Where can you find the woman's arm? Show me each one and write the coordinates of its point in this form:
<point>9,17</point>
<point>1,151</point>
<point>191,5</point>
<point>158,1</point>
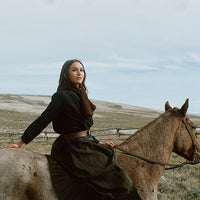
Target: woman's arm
<point>35,128</point>
<point>52,111</point>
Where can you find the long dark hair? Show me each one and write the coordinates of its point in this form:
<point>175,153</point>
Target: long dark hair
<point>64,81</point>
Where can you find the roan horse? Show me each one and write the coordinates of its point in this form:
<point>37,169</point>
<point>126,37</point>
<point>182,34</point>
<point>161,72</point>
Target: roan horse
<point>25,176</point>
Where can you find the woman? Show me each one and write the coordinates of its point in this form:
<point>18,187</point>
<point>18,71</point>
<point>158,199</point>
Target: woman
<point>81,167</point>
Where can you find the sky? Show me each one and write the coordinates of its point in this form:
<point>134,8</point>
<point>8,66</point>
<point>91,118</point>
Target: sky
<point>136,52</point>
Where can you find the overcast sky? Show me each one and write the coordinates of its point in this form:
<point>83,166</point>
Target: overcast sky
<point>136,52</point>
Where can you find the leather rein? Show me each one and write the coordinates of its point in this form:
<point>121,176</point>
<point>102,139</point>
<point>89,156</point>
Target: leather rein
<point>195,158</point>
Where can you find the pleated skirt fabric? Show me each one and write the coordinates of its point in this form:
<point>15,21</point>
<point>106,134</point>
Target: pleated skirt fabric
<point>83,169</point>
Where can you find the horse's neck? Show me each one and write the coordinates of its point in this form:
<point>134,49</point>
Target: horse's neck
<point>155,140</point>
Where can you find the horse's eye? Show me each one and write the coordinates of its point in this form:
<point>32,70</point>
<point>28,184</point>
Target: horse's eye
<point>197,133</point>
<point>194,128</point>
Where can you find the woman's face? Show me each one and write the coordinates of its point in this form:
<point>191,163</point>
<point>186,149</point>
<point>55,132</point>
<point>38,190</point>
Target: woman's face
<point>76,73</point>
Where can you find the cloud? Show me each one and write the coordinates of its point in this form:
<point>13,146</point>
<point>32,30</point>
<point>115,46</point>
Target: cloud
<point>96,64</point>
<point>40,69</point>
<point>173,67</point>
<point>136,64</point>
<point>119,66</point>
<point>51,2</point>
<point>193,57</point>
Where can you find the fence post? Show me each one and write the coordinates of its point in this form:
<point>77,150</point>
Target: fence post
<point>10,138</point>
<point>46,137</point>
<point>118,133</point>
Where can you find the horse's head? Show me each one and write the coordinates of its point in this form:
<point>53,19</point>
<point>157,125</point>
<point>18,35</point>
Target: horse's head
<point>185,143</point>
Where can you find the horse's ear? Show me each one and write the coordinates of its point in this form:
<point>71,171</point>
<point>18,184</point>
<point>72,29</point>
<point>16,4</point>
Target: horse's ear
<point>167,106</point>
<point>184,108</point>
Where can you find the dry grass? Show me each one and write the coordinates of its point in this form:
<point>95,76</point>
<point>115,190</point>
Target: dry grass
<point>178,184</point>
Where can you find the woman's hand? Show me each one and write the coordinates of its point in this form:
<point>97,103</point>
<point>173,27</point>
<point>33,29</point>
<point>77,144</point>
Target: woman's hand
<point>109,143</point>
<point>17,145</point>
<point>12,146</point>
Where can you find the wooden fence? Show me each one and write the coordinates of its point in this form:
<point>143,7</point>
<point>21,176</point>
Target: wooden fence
<point>46,135</point>
<point>96,132</point>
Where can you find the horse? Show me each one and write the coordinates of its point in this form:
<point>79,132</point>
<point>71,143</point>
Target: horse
<point>143,155</point>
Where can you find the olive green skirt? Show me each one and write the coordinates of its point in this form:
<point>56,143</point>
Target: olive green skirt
<point>83,169</point>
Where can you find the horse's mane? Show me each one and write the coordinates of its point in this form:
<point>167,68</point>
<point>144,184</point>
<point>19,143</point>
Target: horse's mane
<point>142,129</point>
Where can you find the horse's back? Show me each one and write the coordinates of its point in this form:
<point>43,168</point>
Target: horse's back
<point>24,175</point>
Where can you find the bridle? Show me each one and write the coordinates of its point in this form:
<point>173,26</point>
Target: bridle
<point>195,157</point>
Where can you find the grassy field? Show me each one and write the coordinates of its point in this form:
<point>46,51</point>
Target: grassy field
<point>17,112</point>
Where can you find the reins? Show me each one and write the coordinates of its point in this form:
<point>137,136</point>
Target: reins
<point>195,159</point>
<point>171,166</point>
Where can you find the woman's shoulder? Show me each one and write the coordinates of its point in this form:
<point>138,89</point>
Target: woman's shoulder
<point>64,93</point>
